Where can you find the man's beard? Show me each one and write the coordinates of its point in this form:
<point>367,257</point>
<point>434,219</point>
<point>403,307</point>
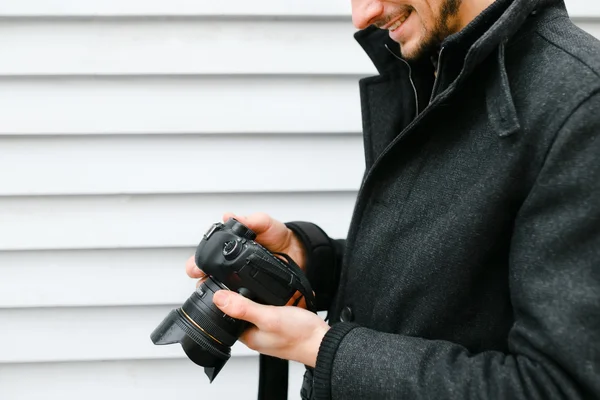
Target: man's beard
<point>432,39</point>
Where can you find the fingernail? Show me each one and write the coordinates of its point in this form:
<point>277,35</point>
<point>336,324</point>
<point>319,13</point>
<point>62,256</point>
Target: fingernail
<point>221,298</point>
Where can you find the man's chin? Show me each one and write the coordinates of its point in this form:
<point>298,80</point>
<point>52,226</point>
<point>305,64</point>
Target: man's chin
<point>408,56</point>
<point>410,53</point>
<point>417,51</point>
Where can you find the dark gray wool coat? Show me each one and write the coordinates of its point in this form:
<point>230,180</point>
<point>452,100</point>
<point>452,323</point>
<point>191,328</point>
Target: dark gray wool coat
<point>472,265</point>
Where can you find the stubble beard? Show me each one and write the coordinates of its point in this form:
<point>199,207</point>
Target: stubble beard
<point>432,39</point>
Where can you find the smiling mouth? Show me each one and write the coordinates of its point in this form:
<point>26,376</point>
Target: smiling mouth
<point>398,23</point>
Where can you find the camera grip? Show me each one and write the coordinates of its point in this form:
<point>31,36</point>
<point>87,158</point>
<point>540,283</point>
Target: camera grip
<point>289,274</point>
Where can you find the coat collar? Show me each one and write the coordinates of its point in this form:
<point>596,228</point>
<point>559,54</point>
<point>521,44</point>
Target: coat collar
<point>374,40</point>
<point>480,43</point>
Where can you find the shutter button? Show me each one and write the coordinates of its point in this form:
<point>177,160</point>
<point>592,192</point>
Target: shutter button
<point>346,315</point>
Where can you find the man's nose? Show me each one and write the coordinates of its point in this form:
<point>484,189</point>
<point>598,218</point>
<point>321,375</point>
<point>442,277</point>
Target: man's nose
<point>366,12</point>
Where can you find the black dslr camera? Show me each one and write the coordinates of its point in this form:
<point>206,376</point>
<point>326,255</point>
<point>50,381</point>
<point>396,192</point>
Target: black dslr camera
<point>233,261</point>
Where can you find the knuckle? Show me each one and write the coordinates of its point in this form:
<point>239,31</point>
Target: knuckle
<point>249,339</point>
<point>240,310</point>
<point>261,216</point>
<point>263,219</point>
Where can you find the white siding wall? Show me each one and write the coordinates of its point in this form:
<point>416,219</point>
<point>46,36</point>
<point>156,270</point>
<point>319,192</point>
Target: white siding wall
<point>126,128</point>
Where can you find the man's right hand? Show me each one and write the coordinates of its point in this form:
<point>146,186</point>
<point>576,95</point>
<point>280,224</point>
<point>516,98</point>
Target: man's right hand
<point>270,233</point>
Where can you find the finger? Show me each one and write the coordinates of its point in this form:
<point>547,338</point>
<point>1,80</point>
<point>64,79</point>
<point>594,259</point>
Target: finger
<point>192,270</point>
<point>240,218</point>
<point>257,340</point>
<point>258,222</point>
<point>239,307</point>
<point>229,215</point>
<point>248,337</point>
<point>201,281</point>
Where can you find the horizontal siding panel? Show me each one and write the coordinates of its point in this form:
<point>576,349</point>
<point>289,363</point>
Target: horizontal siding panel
<point>84,334</point>
<point>138,380</point>
<point>583,8</point>
<point>135,105</point>
<point>174,7</point>
<point>99,222</point>
<point>159,47</point>
<point>209,8</point>
<point>592,27</point>
<point>180,47</point>
<point>94,277</point>
<point>183,163</point>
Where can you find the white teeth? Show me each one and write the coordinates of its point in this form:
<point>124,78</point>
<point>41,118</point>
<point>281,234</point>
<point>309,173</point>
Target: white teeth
<point>398,23</point>
<point>395,26</point>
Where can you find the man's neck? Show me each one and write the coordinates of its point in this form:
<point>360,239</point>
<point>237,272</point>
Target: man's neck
<point>468,11</point>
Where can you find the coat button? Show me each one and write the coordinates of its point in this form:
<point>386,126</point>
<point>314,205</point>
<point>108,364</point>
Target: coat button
<point>347,315</point>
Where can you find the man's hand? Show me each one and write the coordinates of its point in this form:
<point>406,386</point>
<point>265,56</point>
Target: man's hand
<point>286,332</point>
<point>270,233</point>
<point>291,333</point>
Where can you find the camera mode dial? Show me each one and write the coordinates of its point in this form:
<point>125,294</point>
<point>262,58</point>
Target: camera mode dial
<point>231,249</point>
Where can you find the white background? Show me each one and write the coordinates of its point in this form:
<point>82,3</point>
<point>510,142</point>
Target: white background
<point>126,128</point>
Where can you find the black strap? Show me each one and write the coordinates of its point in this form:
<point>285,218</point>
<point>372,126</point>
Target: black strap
<point>273,372</point>
<point>306,391</point>
<point>321,269</point>
<point>290,273</point>
<point>273,378</point>
<point>301,284</point>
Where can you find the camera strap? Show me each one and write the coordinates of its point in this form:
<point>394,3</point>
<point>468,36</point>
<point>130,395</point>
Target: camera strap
<point>273,372</point>
<point>290,273</point>
<point>301,284</point>
<point>273,378</point>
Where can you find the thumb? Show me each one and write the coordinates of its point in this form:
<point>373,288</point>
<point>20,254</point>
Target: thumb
<point>239,307</point>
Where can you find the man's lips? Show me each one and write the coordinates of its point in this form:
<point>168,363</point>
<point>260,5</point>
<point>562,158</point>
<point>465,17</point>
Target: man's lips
<point>392,23</point>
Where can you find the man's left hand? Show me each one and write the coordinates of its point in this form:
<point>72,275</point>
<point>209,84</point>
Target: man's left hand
<point>286,332</point>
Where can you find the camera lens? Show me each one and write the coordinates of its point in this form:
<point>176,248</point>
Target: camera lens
<point>232,261</point>
<point>205,332</point>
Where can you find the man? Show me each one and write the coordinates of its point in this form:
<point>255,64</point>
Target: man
<point>472,265</point>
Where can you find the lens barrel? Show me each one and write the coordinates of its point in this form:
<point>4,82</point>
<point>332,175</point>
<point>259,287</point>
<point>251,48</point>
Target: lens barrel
<point>205,333</point>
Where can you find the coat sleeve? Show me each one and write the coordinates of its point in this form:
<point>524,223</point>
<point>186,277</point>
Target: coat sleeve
<point>554,273</point>
<point>324,260</point>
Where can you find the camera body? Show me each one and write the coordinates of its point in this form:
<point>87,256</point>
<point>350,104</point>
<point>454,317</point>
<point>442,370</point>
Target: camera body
<point>229,254</point>
<point>233,261</point>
